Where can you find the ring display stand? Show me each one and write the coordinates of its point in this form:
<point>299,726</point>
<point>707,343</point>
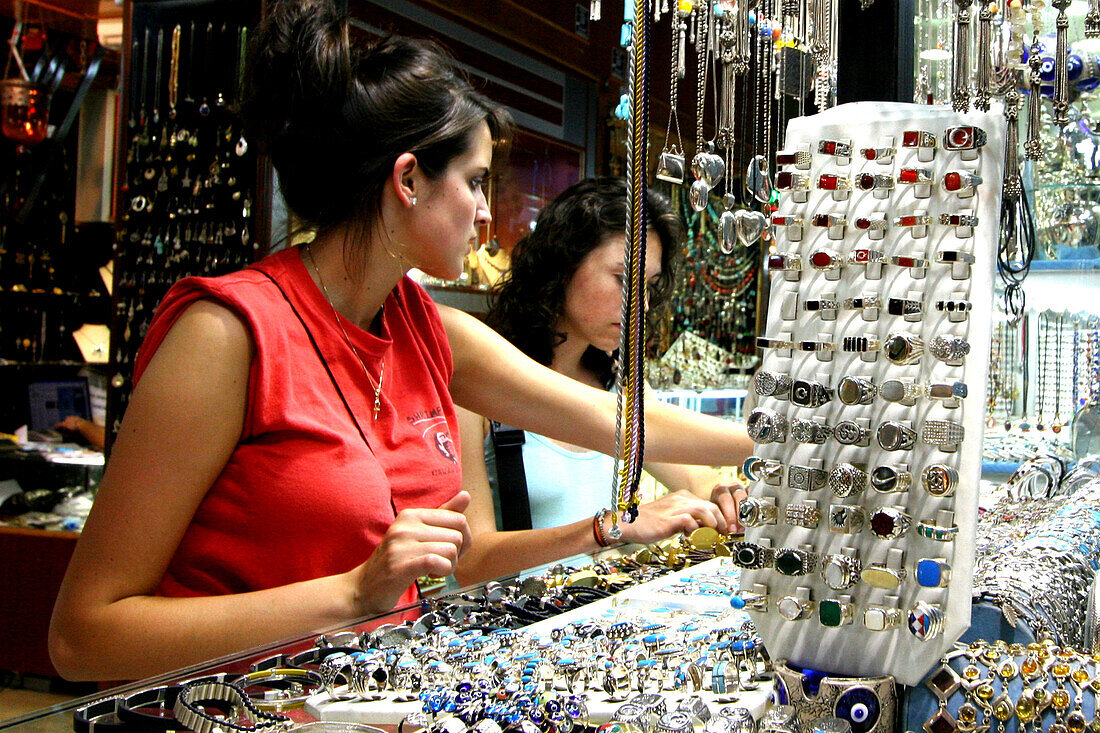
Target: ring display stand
<point>903,256</point>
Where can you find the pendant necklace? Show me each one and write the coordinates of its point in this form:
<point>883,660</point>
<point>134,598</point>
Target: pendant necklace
<point>382,365</point>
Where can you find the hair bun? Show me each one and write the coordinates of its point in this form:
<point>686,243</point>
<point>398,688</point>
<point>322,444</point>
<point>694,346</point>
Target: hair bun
<point>299,70</point>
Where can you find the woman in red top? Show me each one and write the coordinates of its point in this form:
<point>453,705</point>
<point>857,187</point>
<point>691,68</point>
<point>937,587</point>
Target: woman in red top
<point>288,459</point>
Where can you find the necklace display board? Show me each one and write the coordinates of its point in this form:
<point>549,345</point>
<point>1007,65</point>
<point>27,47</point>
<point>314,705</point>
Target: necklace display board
<point>859,548</point>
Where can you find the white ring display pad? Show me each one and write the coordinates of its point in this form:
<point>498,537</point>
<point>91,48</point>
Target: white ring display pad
<point>853,649</point>
<point>650,602</point>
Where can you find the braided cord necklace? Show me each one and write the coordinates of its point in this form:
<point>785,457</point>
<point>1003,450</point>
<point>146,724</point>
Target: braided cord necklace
<point>630,379</point>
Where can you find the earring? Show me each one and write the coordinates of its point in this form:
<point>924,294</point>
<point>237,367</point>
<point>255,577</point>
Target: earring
<point>412,200</point>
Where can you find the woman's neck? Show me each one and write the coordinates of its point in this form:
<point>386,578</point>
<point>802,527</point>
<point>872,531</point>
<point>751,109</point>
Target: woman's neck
<point>568,357</point>
<point>356,291</point>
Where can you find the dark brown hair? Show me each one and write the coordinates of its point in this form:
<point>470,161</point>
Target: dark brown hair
<point>529,300</point>
<point>334,114</point>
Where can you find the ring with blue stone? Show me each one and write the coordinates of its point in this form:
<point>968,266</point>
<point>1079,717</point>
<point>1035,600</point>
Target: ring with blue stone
<point>933,572</point>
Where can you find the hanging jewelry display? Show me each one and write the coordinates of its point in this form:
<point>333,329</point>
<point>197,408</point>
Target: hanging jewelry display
<point>672,162</point>
<point>984,80</point>
<point>190,175</point>
<point>1061,64</point>
<point>630,377</point>
<point>960,69</point>
<point>707,167</point>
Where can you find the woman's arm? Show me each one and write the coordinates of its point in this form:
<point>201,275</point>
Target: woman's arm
<point>493,378</point>
<point>495,553</point>
<point>182,424</point>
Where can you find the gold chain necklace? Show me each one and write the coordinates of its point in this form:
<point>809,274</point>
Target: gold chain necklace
<point>382,366</point>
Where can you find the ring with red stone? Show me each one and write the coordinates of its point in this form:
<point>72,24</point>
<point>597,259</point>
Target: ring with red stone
<point>960,181</point>
<point>916,176</point>
<point>801,158</point>
<point>837,148</point>
<point>828,221</point>
<point>881,155</point>
<point>787,220</point>
<point>824,259</point>
<point>833,182</point>
<point>958,220</point>
<point>889,523</point>
<point>918,139</point>
<point>878,223</point>
<point>866,257</point>
<point>788,181</point>
<point>964,137</point>
<point>872,181</point>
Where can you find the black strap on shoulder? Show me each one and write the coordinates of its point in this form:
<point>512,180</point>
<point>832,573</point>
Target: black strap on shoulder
<point>515,505</point>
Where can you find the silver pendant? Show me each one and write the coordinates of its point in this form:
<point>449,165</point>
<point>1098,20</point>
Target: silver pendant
<point>699,195</point>
<point>728,224</point>
<point>750,226</point>
<point>671,168</point>
<point>758,180</point>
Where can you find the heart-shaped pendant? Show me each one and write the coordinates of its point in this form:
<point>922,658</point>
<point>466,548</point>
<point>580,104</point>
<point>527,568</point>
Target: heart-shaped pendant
<point>699,195</point>
<point>728,223</point>
<point>750,226</point>
<point>757,179</point>
<point>715,168</point>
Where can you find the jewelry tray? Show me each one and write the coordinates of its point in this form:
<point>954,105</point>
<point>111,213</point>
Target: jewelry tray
<point>854,649</point>
<point>652,601</point>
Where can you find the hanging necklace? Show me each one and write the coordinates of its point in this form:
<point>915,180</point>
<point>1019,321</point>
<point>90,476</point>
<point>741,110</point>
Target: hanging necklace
<point>1056,426</point>
<point>382,365</point>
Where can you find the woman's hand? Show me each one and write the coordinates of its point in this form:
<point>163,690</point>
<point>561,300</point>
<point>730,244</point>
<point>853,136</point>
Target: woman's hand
<point>728,498</point>
<point>680,511</point>
<point>419,542</point>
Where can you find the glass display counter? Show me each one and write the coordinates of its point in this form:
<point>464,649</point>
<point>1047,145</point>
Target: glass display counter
<point>578,638</point>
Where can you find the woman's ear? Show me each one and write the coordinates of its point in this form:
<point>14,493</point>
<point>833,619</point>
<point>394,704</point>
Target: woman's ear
<point>404,179</point>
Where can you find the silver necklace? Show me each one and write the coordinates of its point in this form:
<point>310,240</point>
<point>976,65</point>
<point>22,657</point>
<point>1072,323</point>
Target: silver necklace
<point>382,366</point>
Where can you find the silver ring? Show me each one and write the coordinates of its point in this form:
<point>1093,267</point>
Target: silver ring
<point>804,478</point>
<point>802,514</point>
<point>840,571</point>
<point>893,435</point>
<point>847,479</point>
<point>763,469</point>
<point>833,613</point>
<point>849,432</point>
<point>939,480</point>
<point>833,182</point>
<point>882,618</point>
<point>836,148</point>
<point>882,155</point>
<point>964,137</point>
<point>889,523</point>
<point>771,384</point>
<point>872,181</point>
<point>915,177</point>
<point>766,426</point>
<point>866,257</point>
<point>950,257</point>
<point>959,220</point>
<point>793,608</point>
<point>926,621</point>
<point>908,261</point>
<point>899,390</point>
<point>947,390</point>
<point>820,304</point>
<point>859,344</point>
<point>958,181</point>
<point>791,181</point>
<point>828,221</point>
<point>801,158</point>
<point>948,348</point>
<point>752,556</point>
<point>932,573</point>
<point>793,562</point>
<point>879,575</point>
<point>816,346</point>
<point>764,342</point>
<point>918,139</point>
<point>903,349</point>
<point>754,512</point>
<point>930,531</point>
<point>809,431</point>
<point>876,224</point>
<point>786,220</point>
<point>824,259</point>
<point>887,479</point>
<point>942,433</point>
<point>787,261</point>
<point>903,307</point>
<point>806,393</point>
<point>846,519</point>
<point>856,390</point>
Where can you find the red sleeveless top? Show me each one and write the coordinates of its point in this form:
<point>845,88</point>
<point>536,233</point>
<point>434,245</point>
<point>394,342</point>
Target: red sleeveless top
<point>302,495</point>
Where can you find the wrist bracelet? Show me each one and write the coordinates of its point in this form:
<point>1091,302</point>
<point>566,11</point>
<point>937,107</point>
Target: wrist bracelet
<point>194,717</point>
<point>597,528</point>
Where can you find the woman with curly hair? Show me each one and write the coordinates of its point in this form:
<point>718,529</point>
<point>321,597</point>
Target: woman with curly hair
<point>561,304</point>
